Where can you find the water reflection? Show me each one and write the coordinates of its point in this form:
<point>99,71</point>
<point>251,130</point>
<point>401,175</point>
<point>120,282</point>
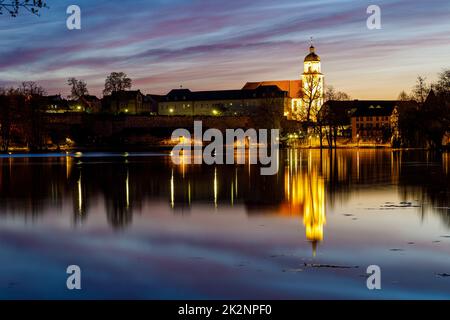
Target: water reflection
<point>305,195</point>
<point>309,183</point>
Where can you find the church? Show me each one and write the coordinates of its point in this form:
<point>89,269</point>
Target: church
<point>298,99</point>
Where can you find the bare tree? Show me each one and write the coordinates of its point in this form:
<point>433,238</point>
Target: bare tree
<point>311,95</point>
<point>403,96</point>
<point>443,85</point>
<point>116,81</point>
<point>6,113</point>
<point>331,94</point>
<point>31,88</point>
<point>78,88</point>
<point>421,89</point>
<point>12,7</point>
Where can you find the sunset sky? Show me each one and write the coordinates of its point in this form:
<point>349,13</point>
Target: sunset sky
<point>217,44</point>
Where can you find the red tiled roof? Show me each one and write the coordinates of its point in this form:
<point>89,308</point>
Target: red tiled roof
<point>292,87</point>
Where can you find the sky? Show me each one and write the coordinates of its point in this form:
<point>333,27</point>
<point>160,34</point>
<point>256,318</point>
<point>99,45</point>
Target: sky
<point>218,44</point>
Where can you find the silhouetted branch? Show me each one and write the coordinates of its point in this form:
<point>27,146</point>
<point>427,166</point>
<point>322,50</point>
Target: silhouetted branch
<point>13,6</point>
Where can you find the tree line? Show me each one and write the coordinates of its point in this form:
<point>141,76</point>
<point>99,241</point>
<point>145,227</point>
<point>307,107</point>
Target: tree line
<point>22,110</point>
<point>427,124</point>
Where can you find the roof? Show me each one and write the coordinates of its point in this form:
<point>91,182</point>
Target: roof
<point>292,87</point>
<point>341,111</point>
<point>312,56</point>
<point>338,112</point>
<point>374,108</point>
<point>259,92</point>
<point>91,98</point>
<point>155,97</point>
<point>126,93</point>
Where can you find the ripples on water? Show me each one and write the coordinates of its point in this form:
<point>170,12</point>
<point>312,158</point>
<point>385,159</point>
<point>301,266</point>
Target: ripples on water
<point>140,227</point>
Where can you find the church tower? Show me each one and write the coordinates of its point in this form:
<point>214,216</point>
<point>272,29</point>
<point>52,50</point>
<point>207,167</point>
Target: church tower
<point>312,86</point>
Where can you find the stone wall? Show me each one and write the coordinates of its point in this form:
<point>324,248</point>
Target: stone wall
<point>109,125</point>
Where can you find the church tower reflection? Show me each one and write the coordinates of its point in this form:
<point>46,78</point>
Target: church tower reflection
<point>305,196</point>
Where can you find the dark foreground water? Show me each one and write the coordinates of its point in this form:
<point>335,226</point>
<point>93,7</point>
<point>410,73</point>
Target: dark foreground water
<point>140,227</point>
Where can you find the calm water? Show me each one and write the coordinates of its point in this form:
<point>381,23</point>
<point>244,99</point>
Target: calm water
<point>140,227</point>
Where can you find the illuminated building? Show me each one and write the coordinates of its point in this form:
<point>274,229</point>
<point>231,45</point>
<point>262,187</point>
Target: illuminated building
<point>131,102</point>
<point>184,102</point>
<point>312,88</point>
<point>364,120</point>
<point>293,96</point>
<point>377,120</point>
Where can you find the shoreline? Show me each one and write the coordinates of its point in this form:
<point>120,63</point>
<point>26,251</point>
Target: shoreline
<point>158,148</point>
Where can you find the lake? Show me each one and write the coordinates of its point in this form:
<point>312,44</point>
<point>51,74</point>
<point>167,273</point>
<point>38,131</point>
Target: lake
<point>140,227</point>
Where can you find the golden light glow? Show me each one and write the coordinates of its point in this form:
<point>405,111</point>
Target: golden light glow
<point>215,187</point>
<point>80,196</point>
<point>172,191</point>
<point>446,162</point>
<point>127,190</point>
<point>69,164</point>
<point>305,196</point>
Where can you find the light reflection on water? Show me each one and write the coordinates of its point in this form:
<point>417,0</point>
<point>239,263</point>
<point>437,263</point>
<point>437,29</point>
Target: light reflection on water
<point>141,227</point>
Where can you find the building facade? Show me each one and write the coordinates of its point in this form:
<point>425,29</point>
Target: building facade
<point>364,120</point>
<point>183,102</point>
<point>299,99</point>
<point>126,102</point>
<point>377,121</point>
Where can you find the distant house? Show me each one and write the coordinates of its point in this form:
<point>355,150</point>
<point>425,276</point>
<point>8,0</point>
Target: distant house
<point>87,103</point>
<point>367,120</point>
<point>151,102</point>
<point>127,102</point>
<point>56,104</point>
<point>377,120</point>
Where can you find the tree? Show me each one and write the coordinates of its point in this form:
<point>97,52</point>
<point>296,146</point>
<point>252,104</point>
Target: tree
<point>78,88</point>
<point>12,7</point>
<point>443,85</point>
<point>269,113</point>
<point>311,96</point>
<point>12,109</point>
<point>31,88</point>
<point>327,120</point>
<point>6,114</point>
<point>403,96</point>
<point>421,90</point>
<point>435,118</point>
<point>332,94</point>
<point>116,81</point>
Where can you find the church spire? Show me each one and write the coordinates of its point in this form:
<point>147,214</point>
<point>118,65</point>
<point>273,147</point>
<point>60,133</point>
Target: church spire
<point>311,48</point>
